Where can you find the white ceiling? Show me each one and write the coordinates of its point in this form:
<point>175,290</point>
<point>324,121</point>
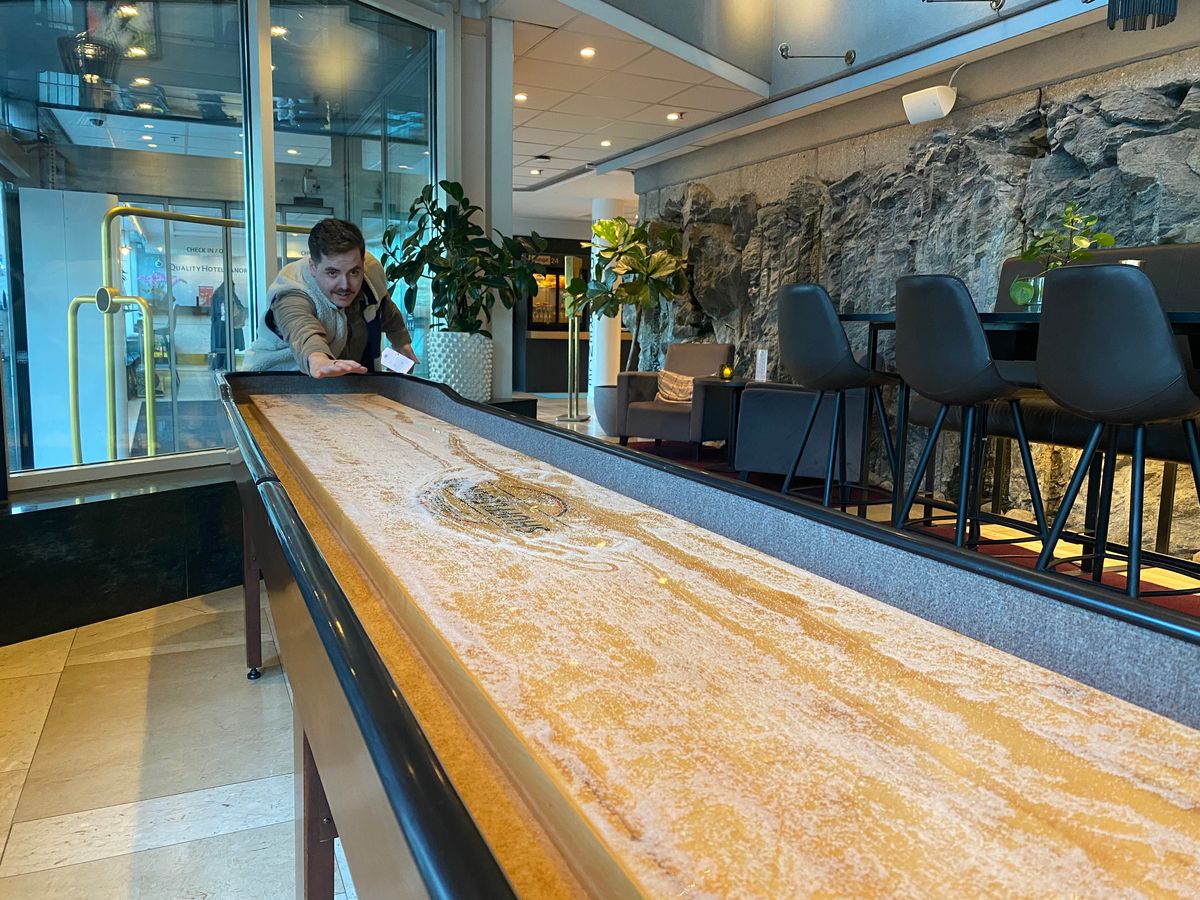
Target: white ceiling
<point>621,95</point>
<point>123,132</point>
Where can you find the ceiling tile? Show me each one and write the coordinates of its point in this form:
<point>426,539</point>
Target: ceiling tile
<point>660,64</point>
<point>657,115</point>
<point>711,98</point>
<point>611,53</point>
<point>577,155</point>
<point>641,130</point>
<point>557,121</point>
<point>526,34</point>
<point>540,73</point>
<point>588,150</point>
<point>588,25</point>
<point>522,148</point>
<point>588,143</point>
<point>543,136</point>
<point>635,87</point>
<point>539,97</point>
<point>719,82</point>
<point>521,116</point>
<point>610,107</point>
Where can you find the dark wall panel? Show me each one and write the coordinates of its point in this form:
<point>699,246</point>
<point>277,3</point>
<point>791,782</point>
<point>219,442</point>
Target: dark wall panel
<point>70,566</point>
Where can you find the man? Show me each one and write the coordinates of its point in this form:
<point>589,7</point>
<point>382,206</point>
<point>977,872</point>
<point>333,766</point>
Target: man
<point>325,315</point>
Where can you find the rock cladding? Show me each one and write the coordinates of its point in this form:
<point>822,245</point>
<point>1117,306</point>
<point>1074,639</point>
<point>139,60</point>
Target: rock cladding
<point>956,201</point>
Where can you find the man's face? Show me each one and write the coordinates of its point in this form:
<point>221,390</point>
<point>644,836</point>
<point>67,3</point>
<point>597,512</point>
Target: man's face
<point>339,276</point>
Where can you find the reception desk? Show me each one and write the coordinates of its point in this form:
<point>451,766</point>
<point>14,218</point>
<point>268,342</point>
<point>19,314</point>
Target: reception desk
<point>527,663</point>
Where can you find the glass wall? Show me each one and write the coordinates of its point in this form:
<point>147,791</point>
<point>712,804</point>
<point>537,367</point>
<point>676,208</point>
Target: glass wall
<point>139,105</point>
<point>353,118</point>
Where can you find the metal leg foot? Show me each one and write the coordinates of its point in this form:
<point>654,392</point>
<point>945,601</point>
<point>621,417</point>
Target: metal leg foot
<point>254,674</point>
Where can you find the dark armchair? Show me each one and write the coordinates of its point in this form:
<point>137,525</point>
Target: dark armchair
<point>706,418</point>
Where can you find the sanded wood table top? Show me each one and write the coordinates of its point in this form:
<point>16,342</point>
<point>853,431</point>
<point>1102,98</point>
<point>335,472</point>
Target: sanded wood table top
<point>695,718</point>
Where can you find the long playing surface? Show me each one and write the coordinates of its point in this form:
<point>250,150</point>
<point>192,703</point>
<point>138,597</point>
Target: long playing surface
<point>719,723</point>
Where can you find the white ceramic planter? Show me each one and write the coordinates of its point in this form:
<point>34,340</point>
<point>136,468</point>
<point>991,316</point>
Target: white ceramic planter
<point>462,362</point>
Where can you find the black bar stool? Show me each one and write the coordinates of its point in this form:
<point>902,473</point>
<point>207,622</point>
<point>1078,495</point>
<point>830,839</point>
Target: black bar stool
<point>1106,352</point>
<point>815,352</point>
<point>942,353</point>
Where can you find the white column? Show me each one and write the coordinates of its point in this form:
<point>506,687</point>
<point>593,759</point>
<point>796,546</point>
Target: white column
<point>604,333</point>
<point>258,161</point>
<point>500,186</point>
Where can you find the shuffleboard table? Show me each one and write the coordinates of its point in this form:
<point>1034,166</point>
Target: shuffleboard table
<point>528,663</point>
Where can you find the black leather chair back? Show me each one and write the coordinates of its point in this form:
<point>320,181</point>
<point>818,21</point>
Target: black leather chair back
<point>813,347</point>
<point>1106,350</point>
<point>941,349</point>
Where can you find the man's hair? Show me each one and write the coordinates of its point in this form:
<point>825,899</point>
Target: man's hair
<point>329,237</point>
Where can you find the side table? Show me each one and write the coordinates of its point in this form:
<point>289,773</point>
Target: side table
<point>735,386</point>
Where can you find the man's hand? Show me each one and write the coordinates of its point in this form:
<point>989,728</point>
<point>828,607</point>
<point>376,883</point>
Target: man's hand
<point>322,365</point>
<point>407,350</point>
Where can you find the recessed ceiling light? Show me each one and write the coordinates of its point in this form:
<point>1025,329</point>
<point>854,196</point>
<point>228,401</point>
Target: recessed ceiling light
<point>272,67</point>
<point>237,152</point>
<point>151,127</point>
<point>292,151</point>
<point>145,106</point>
<point>278,31</point>
<point>136,52</point>
<point>587,52</point>
<point>147,137</point>
<point>141,81</point>
<point>521,97</point>
<point>674,116</point>
<point>606,143</point>
<point>241,134</point>
<point>402,166</point>
<point>127,10</point>
<point>426,153</point>
<point>152,146</point>
<point>535,171</point>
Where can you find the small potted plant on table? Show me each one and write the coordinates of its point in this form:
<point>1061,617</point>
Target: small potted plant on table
<point>1072,241</point>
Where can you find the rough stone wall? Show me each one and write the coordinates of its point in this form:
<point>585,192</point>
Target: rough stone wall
<point>957,197</point>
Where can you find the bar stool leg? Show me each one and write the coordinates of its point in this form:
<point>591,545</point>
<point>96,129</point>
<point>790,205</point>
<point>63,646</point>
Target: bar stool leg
<point>864,479</point>
<point>901,461</point>
<point>842,455</point>
<point>1060,520</point>
<point>812,418</point>
<point>1137,486</point>
<point>980,463</point>
<point>1189,431</point>
<point>1105,511</point>
<point>834,436</point>
<point>1035,492</point>
<point>1090,511</point>
<point>876,396</point>
<point>922,464</point>
<point>965,458</point>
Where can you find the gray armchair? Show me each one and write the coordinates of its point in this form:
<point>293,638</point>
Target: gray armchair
<point>706,418</point>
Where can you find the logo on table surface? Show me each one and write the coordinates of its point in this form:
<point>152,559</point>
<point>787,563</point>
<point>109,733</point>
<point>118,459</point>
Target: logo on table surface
<point>505,504</point>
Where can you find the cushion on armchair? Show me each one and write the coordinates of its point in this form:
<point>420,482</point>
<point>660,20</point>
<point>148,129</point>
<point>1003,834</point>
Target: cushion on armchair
<point>674,388</point>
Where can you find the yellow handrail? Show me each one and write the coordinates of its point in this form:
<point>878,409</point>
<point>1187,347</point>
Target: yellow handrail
<point>109,301</point>
<point>109,304</point>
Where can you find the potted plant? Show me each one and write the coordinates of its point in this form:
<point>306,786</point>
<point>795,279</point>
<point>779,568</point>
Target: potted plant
<point>1071,241</point>
<point>637,265</point>
<point>468,272</point>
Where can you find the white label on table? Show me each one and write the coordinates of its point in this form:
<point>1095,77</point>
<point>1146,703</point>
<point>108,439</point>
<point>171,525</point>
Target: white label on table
<point>760,364</point>
<point>396,362</point>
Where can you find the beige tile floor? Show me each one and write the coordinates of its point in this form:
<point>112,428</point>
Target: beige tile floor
<point>136,761</point>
